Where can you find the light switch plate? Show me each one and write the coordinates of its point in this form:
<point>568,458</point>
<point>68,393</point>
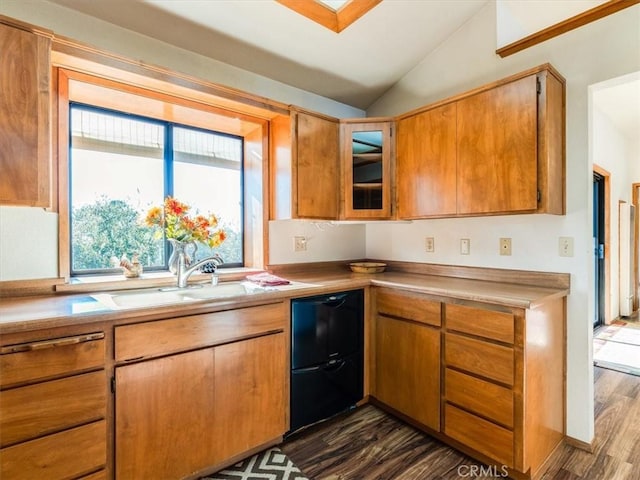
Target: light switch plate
<point>565,246</point>
<point>465,246</point>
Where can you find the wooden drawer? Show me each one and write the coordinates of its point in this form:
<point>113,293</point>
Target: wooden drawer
<point>48,407</point>
<point>144,340</point>
<point>100,475</point>
<point>481,435</point>
<point>63,455</point>
<point>489,360</point>
<point>38,360</point>
<point>484,323</point>
<point>409,306</point>
<point>484,398</point>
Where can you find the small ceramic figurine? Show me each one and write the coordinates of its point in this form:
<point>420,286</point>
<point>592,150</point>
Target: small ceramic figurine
<point>131,269</point>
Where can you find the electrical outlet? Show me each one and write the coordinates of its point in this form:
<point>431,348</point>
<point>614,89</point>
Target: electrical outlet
<point>465,246</point>
<point>429,245</point>
<point>505,246</point>
<point>299,244</point>
<point>565,246</point>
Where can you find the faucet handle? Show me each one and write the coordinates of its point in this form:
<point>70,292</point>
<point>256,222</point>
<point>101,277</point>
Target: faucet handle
<point>209,267</point>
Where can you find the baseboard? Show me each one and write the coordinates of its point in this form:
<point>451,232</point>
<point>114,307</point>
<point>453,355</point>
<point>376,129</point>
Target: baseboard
<point>579,444</point>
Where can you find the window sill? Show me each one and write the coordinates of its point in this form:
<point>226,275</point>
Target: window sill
<point>100,283</point>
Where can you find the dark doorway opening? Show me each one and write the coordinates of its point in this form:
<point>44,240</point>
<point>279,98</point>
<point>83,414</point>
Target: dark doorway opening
<point>599,211</point>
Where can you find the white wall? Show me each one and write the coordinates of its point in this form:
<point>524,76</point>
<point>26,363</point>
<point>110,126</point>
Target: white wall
<point>604,49</point>
<point>28,243</point>
<point>517,19</point>
<point>114,39</point>
<point>325,241</point>
<point>614,152</point>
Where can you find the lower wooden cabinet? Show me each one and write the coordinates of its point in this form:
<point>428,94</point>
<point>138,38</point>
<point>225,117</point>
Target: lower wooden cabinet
<point>250,401</point>
<point>502,372</point>
<point>165,416</point>
<point>408,356</point>
<point>181,414</point>
<point>504,382</point>
<point>53,406</point>
<point>67,454</point>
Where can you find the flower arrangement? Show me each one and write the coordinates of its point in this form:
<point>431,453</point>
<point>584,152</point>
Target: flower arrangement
<point>179,225</point>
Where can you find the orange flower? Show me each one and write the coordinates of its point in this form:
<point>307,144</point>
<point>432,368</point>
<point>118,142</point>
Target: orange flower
<point>174,207</point>
<point>177,224</point>
<point>154,216</point>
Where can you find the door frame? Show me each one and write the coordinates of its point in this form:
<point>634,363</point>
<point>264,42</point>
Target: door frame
<point>635,195</point>
<point>606,175</point>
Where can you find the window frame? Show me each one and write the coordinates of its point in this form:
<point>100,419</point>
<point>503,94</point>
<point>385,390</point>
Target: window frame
<point>168,183</point>
<point>251,122</point>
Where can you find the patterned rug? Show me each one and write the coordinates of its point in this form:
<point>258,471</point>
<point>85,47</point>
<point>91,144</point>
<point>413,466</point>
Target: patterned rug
<point>271,464</point>
<point>617,347</point>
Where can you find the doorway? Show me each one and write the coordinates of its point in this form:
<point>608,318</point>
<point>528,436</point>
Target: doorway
<point>635,195</point>
<point>600,244</point>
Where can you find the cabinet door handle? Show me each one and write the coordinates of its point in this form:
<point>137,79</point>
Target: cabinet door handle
<point>53,343</point>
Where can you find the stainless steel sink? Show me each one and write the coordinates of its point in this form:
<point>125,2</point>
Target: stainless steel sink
<point>123,300</point>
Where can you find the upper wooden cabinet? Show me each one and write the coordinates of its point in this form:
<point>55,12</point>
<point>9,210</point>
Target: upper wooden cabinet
<point>316,167</point>
<point>366,165</point>
<point>25,131</point>
<point>496,150</point>
<point>426,163</point>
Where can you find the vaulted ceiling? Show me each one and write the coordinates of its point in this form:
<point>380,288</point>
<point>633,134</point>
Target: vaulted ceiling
<point>355,66</point>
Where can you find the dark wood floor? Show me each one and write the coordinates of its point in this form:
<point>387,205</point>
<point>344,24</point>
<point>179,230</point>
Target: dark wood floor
<point>368,444</point>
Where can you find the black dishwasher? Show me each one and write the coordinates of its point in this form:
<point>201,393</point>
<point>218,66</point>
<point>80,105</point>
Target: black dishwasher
<point>326,356</point>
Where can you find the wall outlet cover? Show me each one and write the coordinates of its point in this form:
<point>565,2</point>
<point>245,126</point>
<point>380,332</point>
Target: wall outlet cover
<point>429,245</point>
<point>299,244</point>
<point>505,246</point>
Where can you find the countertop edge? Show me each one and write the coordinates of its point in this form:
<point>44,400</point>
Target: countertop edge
<point>528,297</point>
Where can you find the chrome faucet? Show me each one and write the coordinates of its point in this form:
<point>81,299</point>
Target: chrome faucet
<point>184,272</point>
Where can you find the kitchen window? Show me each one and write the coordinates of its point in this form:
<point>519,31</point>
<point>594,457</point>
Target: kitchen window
<point>124,146</point>
<point>123,164</point>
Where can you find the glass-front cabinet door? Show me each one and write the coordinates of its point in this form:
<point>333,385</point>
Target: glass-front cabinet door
<point>367,170</point>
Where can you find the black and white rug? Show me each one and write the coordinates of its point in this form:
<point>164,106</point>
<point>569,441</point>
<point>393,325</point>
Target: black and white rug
<point>271,464</point>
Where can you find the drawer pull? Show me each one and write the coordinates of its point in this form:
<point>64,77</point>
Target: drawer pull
<point>56,342</point>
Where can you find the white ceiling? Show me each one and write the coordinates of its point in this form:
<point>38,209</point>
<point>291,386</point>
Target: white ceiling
<point>354,67</point>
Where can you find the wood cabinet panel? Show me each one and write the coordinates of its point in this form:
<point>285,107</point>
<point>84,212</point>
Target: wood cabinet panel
<point>164,424</point>
<point>60,456</point>
<point>51,358</point>
<point>551,144</point>
<point>196,331</point>
<point>483,436</point>
<point>408,306</point>
<point>484,398</point>
<point>426,163</point>
<point>484,323</point>
<point>36,410</point>
<point>482,358</point>
<point>497,149</point>
<point>366,166</point>
<point>408,369</point>
<point>25,139</point>
<point>316,156</point>
<point>250,395</point>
